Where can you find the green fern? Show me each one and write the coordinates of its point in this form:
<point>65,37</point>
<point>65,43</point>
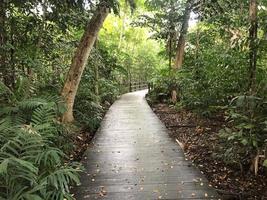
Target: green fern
<point>31,166</point>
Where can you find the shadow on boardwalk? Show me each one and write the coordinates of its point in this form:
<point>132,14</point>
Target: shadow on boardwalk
<point>132,157</point>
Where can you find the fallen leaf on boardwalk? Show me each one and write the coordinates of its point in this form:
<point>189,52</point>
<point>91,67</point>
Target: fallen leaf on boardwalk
<point>79,137</point>
<point>103,193</point>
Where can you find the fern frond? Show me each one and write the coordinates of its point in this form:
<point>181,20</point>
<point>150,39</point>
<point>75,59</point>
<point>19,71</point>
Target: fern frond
<point>8,110</point>
<point>24,88</point>
<point>43,115</point>
<point>32,103</point>
<point>61,178</point>
<point>49,157</point>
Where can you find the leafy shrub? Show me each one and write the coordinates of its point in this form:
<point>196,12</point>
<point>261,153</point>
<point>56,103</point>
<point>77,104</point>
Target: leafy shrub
<point>246,139</point>
<point>161,86</point>
<point>89,114</point>
<point>109,91</point>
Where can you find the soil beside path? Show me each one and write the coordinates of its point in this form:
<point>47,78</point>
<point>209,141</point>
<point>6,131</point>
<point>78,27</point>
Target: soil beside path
<point>201,142</point>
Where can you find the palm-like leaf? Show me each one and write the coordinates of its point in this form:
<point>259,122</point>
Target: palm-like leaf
<point>31,167</point>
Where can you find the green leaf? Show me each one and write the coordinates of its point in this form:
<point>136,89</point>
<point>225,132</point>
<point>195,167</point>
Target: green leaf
<point>3,166</point>
<point>244,141</point>
<point>32,197</point>
<point>255,143</point>
<point>248,126</point>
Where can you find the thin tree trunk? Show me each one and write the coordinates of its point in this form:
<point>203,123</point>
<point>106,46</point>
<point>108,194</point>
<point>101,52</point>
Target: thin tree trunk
<point>96,70</point>
<point>170,50</point>
<point>122,28</point>
<point>80,59</point>
<point>253,45</point>
<point>7,65</point>
<point>172,36</point>
<point>181,43</point>
<point>12,61</point>
<point>3,55</point>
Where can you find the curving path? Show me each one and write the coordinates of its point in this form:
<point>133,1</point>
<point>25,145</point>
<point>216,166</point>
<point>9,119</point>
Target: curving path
<point>133,158</point>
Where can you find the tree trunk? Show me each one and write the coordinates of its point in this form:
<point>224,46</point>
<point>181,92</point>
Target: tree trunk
<point>252,45</point>
<point>3,55</point>
<point>122,31</point>
<point>253,63</point>
<point>96,70</point>
<point>181,43</point>
<point>80,59</point>
<point>12,61</point>
<point>170,54</point>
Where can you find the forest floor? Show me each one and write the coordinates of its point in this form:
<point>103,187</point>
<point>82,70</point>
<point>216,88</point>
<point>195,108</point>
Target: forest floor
<point>199,138</point>
<point>81,142</point>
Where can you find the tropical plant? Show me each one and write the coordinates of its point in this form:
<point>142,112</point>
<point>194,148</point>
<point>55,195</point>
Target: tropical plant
<point>246,138</point>
<point>31,164</point>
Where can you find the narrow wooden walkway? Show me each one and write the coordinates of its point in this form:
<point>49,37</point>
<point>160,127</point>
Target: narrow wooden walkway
<point>133,158</point>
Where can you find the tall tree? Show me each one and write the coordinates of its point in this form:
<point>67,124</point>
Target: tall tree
<point>253,44</point>
<point>181,42</point>
<point>83,51</point>
<point>80,58</point>
<point>183,32</point>
<point>3,69</point>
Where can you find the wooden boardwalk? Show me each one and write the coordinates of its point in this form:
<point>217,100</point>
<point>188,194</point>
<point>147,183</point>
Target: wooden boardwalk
<point>133,158</point>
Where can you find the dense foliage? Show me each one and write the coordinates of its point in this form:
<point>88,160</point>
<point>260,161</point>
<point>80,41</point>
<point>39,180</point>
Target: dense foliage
<point>216,77</point>
<point>32,166</point>
<point>224,70</point>
<point>38,40</point>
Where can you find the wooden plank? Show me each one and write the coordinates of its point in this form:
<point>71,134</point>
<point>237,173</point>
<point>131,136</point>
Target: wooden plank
<point>132,157</point>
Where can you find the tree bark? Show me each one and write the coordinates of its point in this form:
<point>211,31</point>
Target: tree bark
<point>181,43</point>
<point>80,59</point>
<point>253,45</point>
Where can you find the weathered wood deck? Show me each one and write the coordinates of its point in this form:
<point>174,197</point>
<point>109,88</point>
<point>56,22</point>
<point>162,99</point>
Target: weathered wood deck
<point>133,158</point>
